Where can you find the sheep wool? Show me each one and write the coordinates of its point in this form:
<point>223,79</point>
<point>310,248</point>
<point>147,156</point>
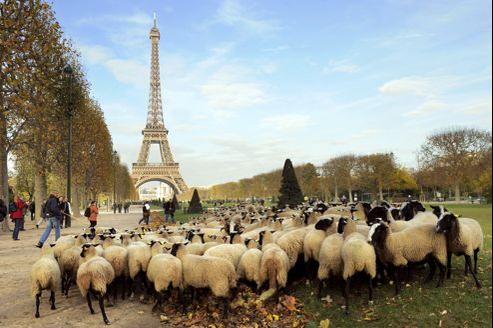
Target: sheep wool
<point>165,270</point>
<point>314,237</point>
<point>292,244</point>
<point>95,274</point>
<point>329,257</point>
<point>249,266</point>
<point>139,255</point>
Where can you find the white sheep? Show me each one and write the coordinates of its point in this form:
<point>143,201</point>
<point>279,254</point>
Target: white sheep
<point>211,272</point>
<point>357,256</point>
<point>231,252</point>
<point>69,261</point>
<point>292,244</point>
<point>45,275</point>
<point>414,244</point>
<point>94,276</point>
<point>314,237</point>
<point>464,237</point>
<point>329,258</point>
<point>274,265</point>
<point>118,257</point>
<point>164,271</point>
<point>249,266</point>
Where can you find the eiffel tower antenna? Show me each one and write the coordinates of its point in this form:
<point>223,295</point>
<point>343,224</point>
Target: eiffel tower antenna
<point>167,170</point>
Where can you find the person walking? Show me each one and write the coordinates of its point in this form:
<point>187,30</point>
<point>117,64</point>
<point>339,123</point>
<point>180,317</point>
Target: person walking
<point>53,215</point>
<point>146,212</point>
<point>166,207</point>
<point>3,210</point>
<point>114,208</point>
<point>120,208</point>
<point>32,209</point>
<point>172,209</point>
<point>16,209</point>
<point>93,217</point>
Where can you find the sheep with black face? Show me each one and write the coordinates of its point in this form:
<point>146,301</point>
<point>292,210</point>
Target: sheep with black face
<point>464,237</point>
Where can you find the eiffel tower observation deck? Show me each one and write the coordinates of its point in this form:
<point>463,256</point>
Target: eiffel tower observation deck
<point>155,132</point>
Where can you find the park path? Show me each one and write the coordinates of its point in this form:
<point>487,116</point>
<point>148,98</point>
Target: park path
<point>17,305</point>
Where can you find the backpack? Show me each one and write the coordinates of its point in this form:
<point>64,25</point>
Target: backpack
<point>87,212</point>
<point>12,207</point>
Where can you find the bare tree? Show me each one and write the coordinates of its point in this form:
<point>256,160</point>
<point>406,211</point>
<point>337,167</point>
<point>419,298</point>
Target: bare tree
<point>455,153</point>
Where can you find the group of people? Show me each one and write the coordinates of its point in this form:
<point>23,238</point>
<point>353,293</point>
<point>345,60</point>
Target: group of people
<point>119,206</point>
<point>169,212</point>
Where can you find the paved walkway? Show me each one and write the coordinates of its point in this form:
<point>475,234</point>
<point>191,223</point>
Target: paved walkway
<point>17,305</point>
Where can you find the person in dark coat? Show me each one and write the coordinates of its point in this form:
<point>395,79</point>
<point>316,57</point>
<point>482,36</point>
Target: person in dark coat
<point>3,210</point>
<point>32,209</point>
<point>53,215</point>
<point>146,212</point>
<point>120,208</point>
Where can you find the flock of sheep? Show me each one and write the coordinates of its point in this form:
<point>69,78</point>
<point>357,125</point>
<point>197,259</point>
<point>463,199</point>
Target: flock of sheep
<point>260,247</point>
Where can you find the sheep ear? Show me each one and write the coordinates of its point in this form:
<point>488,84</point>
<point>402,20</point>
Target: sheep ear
<point>96,245</point>
<point>112,237</point>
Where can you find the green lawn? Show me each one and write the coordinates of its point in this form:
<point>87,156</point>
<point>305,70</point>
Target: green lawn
<point>458,304</point>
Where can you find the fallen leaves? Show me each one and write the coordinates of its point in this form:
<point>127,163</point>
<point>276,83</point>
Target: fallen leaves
<point>324,323</point>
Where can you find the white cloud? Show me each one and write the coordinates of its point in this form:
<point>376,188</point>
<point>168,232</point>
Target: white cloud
<point>407,86</point>
<point>286,122</point>
<point>231,87</point>
<point>95,54</point>
<point>138,18</point>
<point>341,66</point>
<point>426,108</point>
<point>233,13</point>
<point>483,107</point>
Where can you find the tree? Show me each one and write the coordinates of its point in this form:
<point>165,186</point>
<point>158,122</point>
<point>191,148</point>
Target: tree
<point>195,205</point>
<point>456,153</point>
<point>309,180</point>
<point>290,192</point>
<point>340,171</point>
<point>175,202</point>
<point>375,172</point>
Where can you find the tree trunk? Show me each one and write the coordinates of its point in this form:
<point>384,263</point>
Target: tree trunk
<point>457,192</point>
<point>40,190</point>
<point>380,191</point>
<point>350,191</point>
<point>75,202</point>
<point>336,193</point>
<point>4,172</point>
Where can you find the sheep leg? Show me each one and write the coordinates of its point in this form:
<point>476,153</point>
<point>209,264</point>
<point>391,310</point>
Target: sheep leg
<point>320,287</point>
<point>370,288</point>
<point>433,268</point>
<point>52,300</point>
<point>442,269</point>
<point>225,308</point>
<point>123,281</point>
<point>182,300</point>
<point>101,306</point>
<point>38,296</point>
<point>89,304</point>
<point>449,265</point>
<point>159,300</point>
<point>68,282</point>
<point>466,268</point>
<point>346,295</point>
<point>397,279</point>
<point>476,251</point>
<point>469,265</point>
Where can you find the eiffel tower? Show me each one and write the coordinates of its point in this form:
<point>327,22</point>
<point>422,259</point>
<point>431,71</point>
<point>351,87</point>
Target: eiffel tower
<point>155,133</point>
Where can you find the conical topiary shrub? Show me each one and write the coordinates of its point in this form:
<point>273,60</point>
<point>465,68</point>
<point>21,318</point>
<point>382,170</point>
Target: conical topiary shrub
<point>175,202</point>
<point>290,192</point>
<point>195,205</point>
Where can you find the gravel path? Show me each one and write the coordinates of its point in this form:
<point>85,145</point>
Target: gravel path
<point>17,305</point>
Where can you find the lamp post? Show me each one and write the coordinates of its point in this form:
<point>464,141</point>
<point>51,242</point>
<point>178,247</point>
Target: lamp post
<point>69,110</point>
<point>114,176</point>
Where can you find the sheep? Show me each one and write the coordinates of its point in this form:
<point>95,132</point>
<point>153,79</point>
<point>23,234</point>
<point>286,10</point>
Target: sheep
<point>232,252</point>
<point>464,237</point>
<point>249,266</point>
<point>164,271</point>
<point>330,261</point>
<point>387,214</point>
<point>211,272</point>
<point>93,277</point>
<point>415,211</point>
<point>292,244</point>
<point>197,244</point>
<point>118,257</point>
<point>414,244</point>
<point>357,256</point>
<point>314,238</point>
<point>139,255</point>
<point>69,262</point>
<point>63,243</point>
<point>274,264</point>
<point>45,274</point>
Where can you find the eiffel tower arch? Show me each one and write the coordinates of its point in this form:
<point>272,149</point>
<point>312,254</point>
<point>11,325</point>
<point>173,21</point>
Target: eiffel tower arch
<point>167,171</point>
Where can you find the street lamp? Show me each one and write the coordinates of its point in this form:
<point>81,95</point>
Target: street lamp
<point>114,176</point>
<point>69,110</point>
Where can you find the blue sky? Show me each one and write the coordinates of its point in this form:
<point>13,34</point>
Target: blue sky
<point>247,84</point>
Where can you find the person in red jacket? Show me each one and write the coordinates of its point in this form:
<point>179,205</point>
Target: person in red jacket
<point>16,211</point>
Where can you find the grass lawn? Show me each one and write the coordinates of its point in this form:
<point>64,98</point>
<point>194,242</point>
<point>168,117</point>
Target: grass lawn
<point>457,304</point>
